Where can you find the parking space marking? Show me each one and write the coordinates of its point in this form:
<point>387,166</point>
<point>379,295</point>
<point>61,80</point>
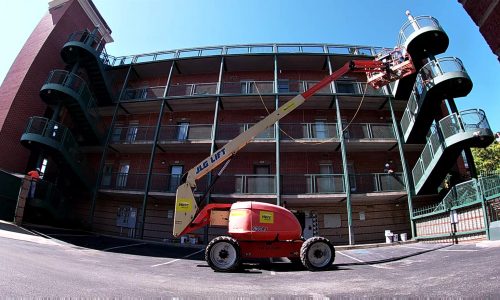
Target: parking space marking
<point>363,262</point>
<point>273,273</point>
<point>172,261</point>
<point>125,246</point>
<point>418,248</point>
<point>457,250</point>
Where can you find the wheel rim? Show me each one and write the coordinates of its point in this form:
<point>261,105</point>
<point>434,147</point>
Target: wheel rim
<point>223,255</point>
<point>319,254</point>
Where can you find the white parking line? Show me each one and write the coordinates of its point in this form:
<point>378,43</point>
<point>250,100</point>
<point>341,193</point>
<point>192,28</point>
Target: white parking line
<point>118,247</point>
<point>363,262</point>
<point>172,261</point>
<point>457,250</point>
<point>273,273</point>
<point>418,248</point>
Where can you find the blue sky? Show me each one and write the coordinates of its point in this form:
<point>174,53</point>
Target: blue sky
<point>141,26</point>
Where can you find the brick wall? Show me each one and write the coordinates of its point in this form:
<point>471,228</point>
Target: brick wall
<point>19,98</point>
<point>486,15</point>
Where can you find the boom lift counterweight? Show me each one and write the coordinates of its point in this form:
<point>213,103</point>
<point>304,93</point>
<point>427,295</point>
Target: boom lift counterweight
<point>262,230</point>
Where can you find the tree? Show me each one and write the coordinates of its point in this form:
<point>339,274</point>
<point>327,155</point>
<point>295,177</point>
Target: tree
<point>487,159</point>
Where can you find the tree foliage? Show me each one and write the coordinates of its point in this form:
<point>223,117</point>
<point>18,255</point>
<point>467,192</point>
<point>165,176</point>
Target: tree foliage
<point>487,159</point>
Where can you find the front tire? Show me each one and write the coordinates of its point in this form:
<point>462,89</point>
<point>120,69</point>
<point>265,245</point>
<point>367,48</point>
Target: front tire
<point>223,254</point>
<point>317,253</point>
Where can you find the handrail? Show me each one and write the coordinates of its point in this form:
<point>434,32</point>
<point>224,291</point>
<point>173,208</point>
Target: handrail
<point>416,24</point>
<point>447,127</point>
<point>79,86</point>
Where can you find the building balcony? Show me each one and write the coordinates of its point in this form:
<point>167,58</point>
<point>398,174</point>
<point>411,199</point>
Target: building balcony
<point>72,91</point>
<point>370,137</point>
<point>445,142</point>
<point>423,36</point>
<point>57,140</point>
<point>88,49</point>
<point>436,81</point>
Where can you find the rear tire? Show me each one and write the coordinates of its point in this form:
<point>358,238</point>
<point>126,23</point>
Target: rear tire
<point>223,254</point>
<point>317,253</point>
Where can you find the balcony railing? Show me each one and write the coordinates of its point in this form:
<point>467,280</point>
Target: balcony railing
<point>424,82</point>
<point>146,93</point>
<point>316,131</point>
<point>59,138</point>
<point>246,184</point>
<point>230,131</point>
<point>464,194</point>
<point>78,85</point>
<point>376,182</point>
<point>312,184</point>
<point>179,133</point>
<point>244,49</point>
<point>358,88</point>
<point>467,121</point>
<point>300,86</point>
<point>370,131</point>
<point>248,87</point>
<point>192,89</point>
<point>94,41</point>
<point>168,133</point>
<point>416,24</point>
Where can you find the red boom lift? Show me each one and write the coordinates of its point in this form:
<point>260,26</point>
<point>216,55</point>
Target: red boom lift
<point>262,230</point>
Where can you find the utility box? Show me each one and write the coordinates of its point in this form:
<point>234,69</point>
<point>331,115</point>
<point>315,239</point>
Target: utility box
<point>495,231</point>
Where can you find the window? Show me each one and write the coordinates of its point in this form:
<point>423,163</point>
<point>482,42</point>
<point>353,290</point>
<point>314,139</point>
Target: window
<point>116,135</point>
<point>121,178</point>
<point>43,168</point>
<point>107,173</point>
<point>262,183</point>
<point>345,87</point>
<point>182,131</point>
<point>132,131</point>
<point>175,177</point>
<point>324,183</point>
<point>283,86</point>
<point>352,176</point>
<point>320,130</point>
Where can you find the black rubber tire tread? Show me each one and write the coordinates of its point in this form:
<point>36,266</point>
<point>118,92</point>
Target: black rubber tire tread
<point>305,249</point>
<point>229,240</point>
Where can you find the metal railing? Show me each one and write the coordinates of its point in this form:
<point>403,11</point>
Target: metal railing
<point>179,133</point>
<point>424,82</point>
<point>246,184</point>
<point>248,87</point>
<point>357,88</point>
<point>300,86</point>
<point>463,194</point>
<point>77,85</point>
<point>94,41</point>
<point>124,181</point>
<point>312,184</point>
<point>370,131</point>
<point>66,143</point>
<point>376,182</point>
<point>467,121</point>
<point>414,25</point>
<point>145,93</point>
<point>316,131</point>
<point>192,89</point>
<point>230,131</point>
<point>244,50</point>
<point>136,134</point>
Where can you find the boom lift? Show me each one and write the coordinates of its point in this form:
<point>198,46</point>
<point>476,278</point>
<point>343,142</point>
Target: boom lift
<point>262,230</point>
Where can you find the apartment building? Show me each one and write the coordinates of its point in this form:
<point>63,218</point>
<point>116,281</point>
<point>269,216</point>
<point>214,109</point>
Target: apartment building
<point>115,134</point>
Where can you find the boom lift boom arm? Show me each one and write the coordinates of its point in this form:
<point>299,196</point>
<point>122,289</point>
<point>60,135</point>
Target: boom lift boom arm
<point>384,69</point>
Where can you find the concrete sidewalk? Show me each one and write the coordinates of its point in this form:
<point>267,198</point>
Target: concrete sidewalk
<point>12,231</point>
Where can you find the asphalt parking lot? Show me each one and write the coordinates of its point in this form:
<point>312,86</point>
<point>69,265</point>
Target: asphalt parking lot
<point>82,264</point>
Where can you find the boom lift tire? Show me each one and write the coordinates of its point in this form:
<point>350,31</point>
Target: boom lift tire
<point>317,253</point>
<point>223,254</point>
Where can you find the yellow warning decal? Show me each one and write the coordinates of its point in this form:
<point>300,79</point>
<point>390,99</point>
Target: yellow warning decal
<point>266,217</point>
<point>238,213</point>
<point>184,205</point>
<point>289,106</point>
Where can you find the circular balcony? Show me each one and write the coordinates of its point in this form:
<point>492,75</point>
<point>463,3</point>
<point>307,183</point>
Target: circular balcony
<point>423,36</point>
<point>443,78</point>
<point>82,45</point>
<point>56,139</point>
